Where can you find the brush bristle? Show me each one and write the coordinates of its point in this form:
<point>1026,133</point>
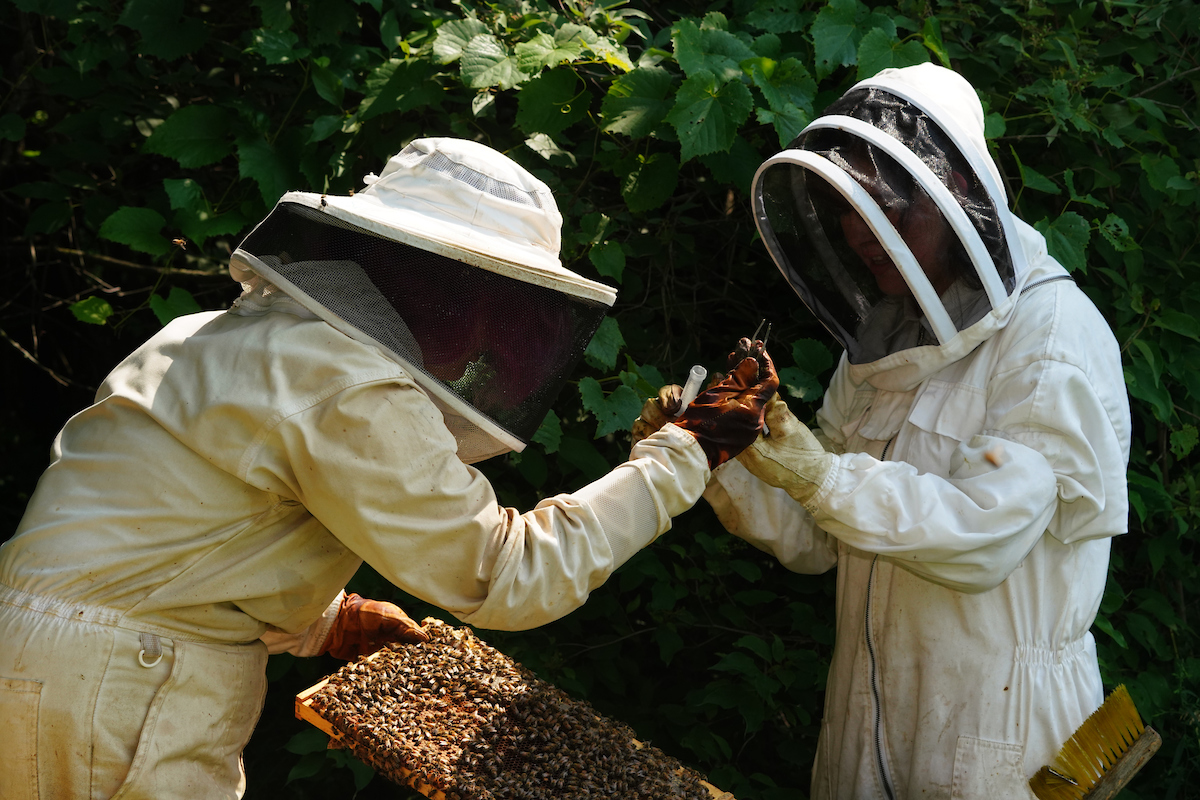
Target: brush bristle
<point>1092,750</point>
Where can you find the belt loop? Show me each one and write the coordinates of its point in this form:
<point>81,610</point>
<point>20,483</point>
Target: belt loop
<point>150,647</point>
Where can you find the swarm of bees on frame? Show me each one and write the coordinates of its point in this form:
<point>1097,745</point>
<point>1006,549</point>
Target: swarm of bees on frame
<point>458,720</point>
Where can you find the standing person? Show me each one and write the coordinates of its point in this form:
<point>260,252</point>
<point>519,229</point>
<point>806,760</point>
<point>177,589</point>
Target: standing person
<point>237,468</point>
<point>968,471</point>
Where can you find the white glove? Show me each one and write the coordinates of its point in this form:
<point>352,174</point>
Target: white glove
<point>788,457</point>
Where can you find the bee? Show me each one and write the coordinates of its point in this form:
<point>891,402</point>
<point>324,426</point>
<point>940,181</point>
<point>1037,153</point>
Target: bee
<point>180,243</point>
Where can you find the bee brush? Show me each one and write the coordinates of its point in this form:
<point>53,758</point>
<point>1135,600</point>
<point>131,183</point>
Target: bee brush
<point>1101,756</point>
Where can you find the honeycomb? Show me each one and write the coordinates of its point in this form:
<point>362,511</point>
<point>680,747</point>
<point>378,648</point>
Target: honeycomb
<point>456,719</point>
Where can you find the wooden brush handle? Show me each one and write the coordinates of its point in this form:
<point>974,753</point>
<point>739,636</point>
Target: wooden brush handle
<point>1126,767</point>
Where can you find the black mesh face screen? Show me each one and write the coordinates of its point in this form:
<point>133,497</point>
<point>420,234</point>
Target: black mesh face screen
<point>503,345</point>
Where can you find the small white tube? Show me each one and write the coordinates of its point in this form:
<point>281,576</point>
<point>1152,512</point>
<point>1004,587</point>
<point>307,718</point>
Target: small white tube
<point>695,381</point>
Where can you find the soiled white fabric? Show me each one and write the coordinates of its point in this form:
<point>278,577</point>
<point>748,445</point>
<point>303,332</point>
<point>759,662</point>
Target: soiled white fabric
<point>237,469</point>
<point>969,513</point>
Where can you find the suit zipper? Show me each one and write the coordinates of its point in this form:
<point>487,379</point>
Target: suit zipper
<point>880,760</point>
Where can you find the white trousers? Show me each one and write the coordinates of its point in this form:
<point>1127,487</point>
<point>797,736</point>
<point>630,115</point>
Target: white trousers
<point>80,717</point>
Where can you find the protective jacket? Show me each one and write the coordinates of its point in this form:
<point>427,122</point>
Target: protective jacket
<point>976,484</point>
<point>263,456</point>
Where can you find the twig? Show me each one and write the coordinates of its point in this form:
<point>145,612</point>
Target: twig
<point>133,264</point>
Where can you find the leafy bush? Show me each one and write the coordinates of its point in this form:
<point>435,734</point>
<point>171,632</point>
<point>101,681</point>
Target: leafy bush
<point>139,143</point>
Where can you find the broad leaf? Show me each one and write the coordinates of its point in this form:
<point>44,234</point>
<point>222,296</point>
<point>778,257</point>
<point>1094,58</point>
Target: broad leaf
<point>609,260</point>
<point>270,170</point>
<point>637,102</point>
<point>606,344</point>
<point>486,62</point>
<point>707,116</point>
<point>650,182</point>
<point>877,51</point>
<point>278,46</point>
<point>1067,239</point>
<point>92,310</point>
<point>138,228</point>
<point>400,85</point>
<point>177,303</point>
<point>614,412</point>
<point>453,36</point>
<point>544,51</point>
<point>551,102</point>
<point>195,136</point>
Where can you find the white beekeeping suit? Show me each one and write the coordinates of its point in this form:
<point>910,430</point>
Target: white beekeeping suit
<point>969,467</point>
<point>237,469</point>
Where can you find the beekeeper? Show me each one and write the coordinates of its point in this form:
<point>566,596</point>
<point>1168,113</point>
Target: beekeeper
<point>968,470</point>
<point>237,469</point>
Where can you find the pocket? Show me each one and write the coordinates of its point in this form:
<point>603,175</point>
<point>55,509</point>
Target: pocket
<point>986,770</point>
<point>19,702</point>
<point>942,418</point>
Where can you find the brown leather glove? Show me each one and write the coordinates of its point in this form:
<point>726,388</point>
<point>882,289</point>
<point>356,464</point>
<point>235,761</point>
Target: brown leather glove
<point>658,411</point>
<point>363,626</point>
<point>727,418</point>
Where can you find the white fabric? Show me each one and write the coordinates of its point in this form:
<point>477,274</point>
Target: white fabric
<point>236,470</point>
<point>972,558</point>
<point>86,720</point>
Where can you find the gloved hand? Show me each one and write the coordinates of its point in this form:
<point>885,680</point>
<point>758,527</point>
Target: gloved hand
<point>727,417</point>
<point>789,457</point>
<point>658,411</point>
<point>363,626</point>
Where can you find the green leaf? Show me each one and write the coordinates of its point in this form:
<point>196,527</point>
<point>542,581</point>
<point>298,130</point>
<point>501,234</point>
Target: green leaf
<point>1035,180</point>
<point>637,102</point>
<point>835,35</point>
<point>453,36</point>
<point>277,46</point>
<point>328,85</point>
<point>165,32</point>
<point>779,16</point>
<point>138,228</point>
<point>811,356</point>
<point>649,182</point>
<point>788,121</point>
<point>707,116</point>
<point>184,193</point>
<point>543,50</point>
<point>12,128</point>
<point>609,260</point>
<point>1067,239</point>
<point>877,51</point>
<point>1116,232</point>
<point>800,384</point>
<point>552,102</point>
<point>606,344</point>
<point>399,85</point>
<point>92,310</point>
<point>931,37</point>
<point>669,642</point>
<point>1184,440</point>
<point>1159,170</point>
<point>709,50</point>
<point>784,84</point>
<point>548,149</point>
<point>309,740</point>
<point>549,433</point>
<point>269,169</point>
<point>1103,624</point>
<point>1177,321</point>
<point>49,218</point>
<point>614,412</point>
<point>195,136</point>
<point>176,304</point>
<point>486,63</point>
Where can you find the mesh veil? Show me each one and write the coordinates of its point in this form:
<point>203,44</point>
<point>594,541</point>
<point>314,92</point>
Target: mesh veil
<point>905,165</point>
<point>501,345</point>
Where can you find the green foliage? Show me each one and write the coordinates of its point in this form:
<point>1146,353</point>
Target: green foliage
<point>128,126</point>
